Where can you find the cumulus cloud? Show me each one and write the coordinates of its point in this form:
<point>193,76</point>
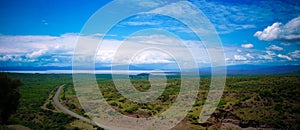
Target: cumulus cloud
<point>274,48</point>
<point>284,57</point>
<point>267,56</point>
<point>270,33</point>
<point>36,54</point>
<point>5,57</point>
<point>148,57</point>
<point>136,50</point>
<point>236,56</point>
<point>279,31</point>
<point>37,49</point>
<point>249,45</point>
<point>58,50</point>
<point>240,57</point>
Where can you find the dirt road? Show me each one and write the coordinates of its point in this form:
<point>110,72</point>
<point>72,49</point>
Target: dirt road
<point>65,110</point>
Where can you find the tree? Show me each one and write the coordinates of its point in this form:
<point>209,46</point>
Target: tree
<point>9,96</point>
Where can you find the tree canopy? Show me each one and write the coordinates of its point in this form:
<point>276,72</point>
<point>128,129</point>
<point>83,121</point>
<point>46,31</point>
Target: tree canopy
<point>9,96</point>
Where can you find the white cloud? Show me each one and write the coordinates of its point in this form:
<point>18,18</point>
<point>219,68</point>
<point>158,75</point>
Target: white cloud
<point>227,59</point>
<point>102,35</point>
<point>240,57</point>
<point>188,14</point>
<point>5,57</point>
<point>268,56</point>
<point>249,45</point>
<point>279,31</point>
<point>181,8</point>
<point>184,51</point>
<point>271,53</point>
<point>249,56</point>
<point>148,57</point>
<point>135,23</point>
<point>265,57</point>
<point>285,44</point>
<point>228,17</point>
<point>158,39</point>
<point>284,57</point>
<point>36,54</point>
<point>270,33</point>
<point>240,13</point>
<point>41,49</point>
<point>58,50</point>
<point>295,54</point>
<point>274,48</point>
<point>105,56</point>
<point>44,22</point>
<point>153,3</point>
<point>236,56</point>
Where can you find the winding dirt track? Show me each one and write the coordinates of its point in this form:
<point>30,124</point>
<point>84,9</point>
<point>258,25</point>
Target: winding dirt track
<point>65,110</point>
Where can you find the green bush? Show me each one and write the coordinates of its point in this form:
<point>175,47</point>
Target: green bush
<point>50,106</point>
<point>9,96</point>
<point>132,109</point>
<point>192,117</point>
<point>114,104</point>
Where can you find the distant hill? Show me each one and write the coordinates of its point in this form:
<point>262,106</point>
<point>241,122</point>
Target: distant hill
<point>255,69</point>
<point>261,69</point>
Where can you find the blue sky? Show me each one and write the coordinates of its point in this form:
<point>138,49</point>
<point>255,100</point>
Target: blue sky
<point>44,32</point>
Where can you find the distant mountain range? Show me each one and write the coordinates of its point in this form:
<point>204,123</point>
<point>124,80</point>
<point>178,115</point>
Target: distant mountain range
<point>234,69</point>
<point>256,69</point>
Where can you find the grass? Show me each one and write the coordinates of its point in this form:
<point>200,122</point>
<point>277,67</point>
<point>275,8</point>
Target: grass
<point>267,100</point>
<point>254,101</point>
<point>34,93</point>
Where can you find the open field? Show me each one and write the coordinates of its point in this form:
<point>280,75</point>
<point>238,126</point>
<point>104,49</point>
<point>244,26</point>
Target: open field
<point>266,101</point>
<point>36,94</point>
<point>247,102</point>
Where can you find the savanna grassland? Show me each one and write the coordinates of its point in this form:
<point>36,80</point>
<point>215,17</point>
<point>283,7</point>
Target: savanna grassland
<point>261,101</point>
<point>247,102</point>
<point>36,109</point>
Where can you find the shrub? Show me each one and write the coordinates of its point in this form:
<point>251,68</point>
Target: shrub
<point>132,109</point>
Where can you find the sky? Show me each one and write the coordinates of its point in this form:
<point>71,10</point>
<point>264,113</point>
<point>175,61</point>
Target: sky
<point>44,33</point>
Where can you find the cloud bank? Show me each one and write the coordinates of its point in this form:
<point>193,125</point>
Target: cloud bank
<point>42,50</point>
<point>279,31</point>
